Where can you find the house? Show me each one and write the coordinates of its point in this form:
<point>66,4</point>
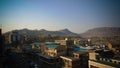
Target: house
<point>36,45</point>
<point>114,47</point>
<point>77,60</point>
<point>52,49</point>
<point>66,42</point>
<point>70,62</point>
<point>97,61</point>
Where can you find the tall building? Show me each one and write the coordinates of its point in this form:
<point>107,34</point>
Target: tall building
<point>1,41</point>
<point>14,37</point>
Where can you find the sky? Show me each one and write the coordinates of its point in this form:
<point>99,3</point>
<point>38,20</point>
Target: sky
<point>75,15</point>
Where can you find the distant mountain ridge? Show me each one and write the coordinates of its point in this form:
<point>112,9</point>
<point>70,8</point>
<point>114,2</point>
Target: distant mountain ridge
<point>95,32</point>
<point>102,32</point>
<point>63,32</point>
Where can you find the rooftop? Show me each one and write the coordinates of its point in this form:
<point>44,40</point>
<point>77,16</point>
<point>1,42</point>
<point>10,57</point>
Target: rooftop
<point>36,43</point>
<point>107,63</point>
<point>80,48</point>
<point>53,46</point>
<point>47,43</point>
<point>81,52</point>
<point>48,57</point>
<point>69,58</point>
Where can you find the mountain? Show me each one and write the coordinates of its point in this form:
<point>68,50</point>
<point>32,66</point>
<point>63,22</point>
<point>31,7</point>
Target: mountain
<point>67,32</point>
<point>95,32</point>
<point>102,32</point>
<point>63,32</point>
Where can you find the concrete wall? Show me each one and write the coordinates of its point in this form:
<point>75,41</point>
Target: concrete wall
<point>99,65</point>
<point>92,56</point>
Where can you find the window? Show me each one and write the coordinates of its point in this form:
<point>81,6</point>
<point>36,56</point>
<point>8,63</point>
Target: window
<point>118,62</point>
<point>110,60</point>
<point>115,62</point>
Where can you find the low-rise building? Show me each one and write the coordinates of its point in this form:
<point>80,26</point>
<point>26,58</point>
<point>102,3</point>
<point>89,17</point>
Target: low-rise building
<point>36,45</point>
<point>114,47</point>
<point>45,61</point>
<point>97,64</point>
<point>76,41</point>
<point>70,62</point>
<point>53,49</point>
<point>61,42</point>
<point>97,61</point>
<point>77,60</point>
<point>66,42</point>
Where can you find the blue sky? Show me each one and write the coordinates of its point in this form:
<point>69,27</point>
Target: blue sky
<point>76,15</point>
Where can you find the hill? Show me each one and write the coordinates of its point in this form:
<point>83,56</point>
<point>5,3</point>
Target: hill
<point>102,32</point>
<point>63,32</point>
<point>95,32</point>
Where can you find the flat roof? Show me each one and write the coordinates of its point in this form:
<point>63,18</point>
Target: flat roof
<point>69,58</point>
<point>53,46</point>
<point>107,63</point>
<point>81,52</point>
<point>45,56</point>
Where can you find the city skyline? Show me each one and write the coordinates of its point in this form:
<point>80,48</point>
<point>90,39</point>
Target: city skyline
<point>77,16</point>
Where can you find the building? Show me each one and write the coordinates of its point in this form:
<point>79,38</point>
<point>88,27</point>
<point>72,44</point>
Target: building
<point>66,42</point>
<point>61,42</point>
<point>97,61</point>
<point>36,45</point>
<point>43,48</point>
<point>45,61</point>
<point>76,41</point>
<point>70,62</point>
<point>1,42</point>
<point>53,50</point>
<point>114,47</point>
<point>14,37</point>
<point>78,59</point>
<point>83,58</point>
<point>26,47</point>
<point>104,63</point>
<point>94,64</point>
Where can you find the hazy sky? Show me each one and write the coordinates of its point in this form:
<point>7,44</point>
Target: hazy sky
<point>76,15</point>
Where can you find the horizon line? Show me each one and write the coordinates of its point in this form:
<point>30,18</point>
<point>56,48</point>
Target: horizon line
<point>60,29</point>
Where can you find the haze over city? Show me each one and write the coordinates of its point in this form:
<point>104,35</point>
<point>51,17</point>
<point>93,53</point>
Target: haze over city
<point>76,15</point>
